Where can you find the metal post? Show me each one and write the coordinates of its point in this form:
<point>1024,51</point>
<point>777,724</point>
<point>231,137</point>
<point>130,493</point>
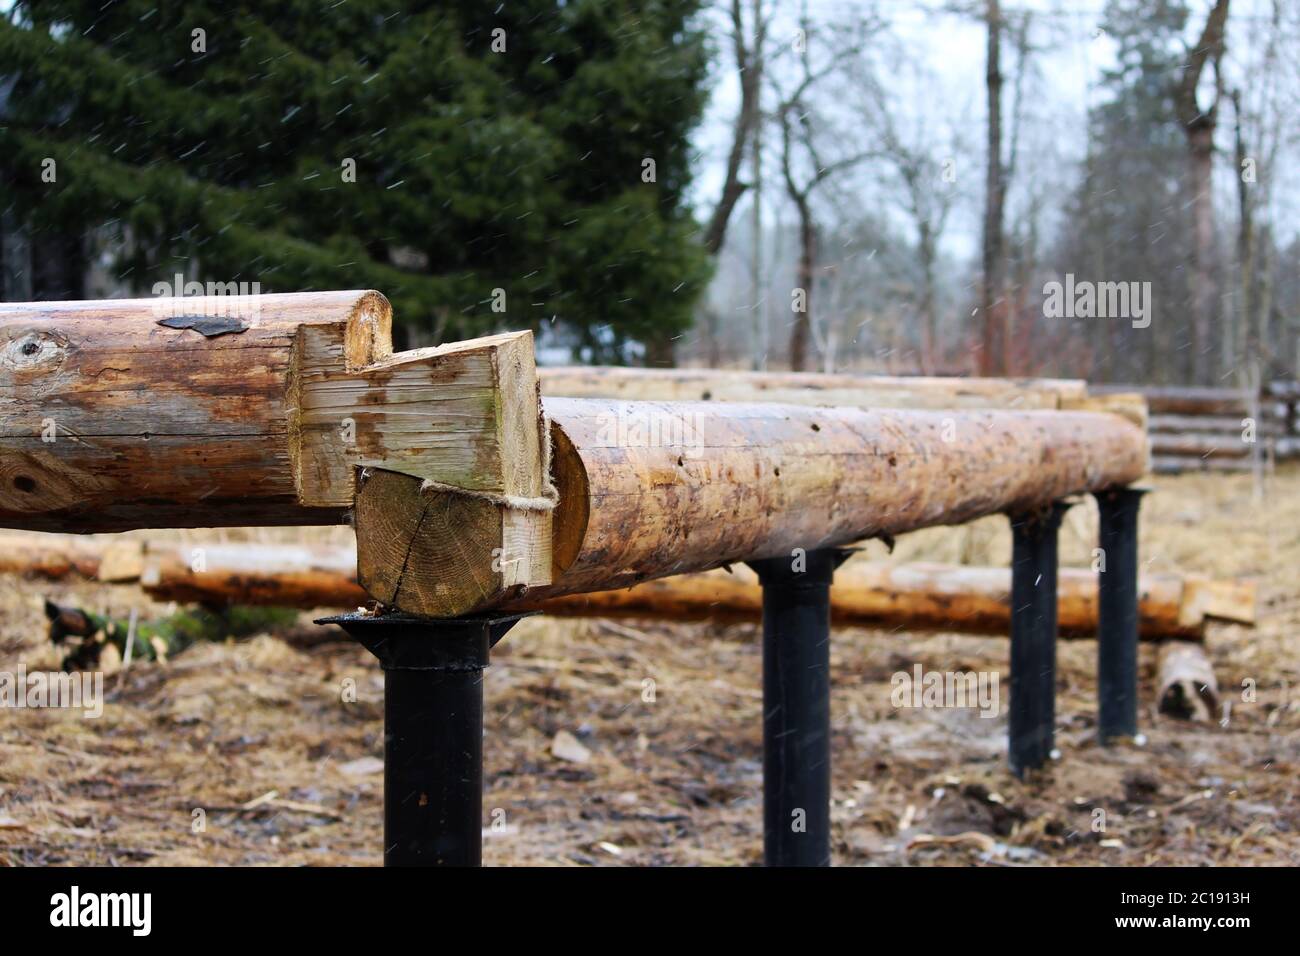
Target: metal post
<point>796,706</point>
<point>433,732</point>
<point>1117,614</point>
<point>1033,637</point>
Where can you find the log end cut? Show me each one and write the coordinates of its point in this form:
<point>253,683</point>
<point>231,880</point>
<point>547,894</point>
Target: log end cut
<point>444,553</point>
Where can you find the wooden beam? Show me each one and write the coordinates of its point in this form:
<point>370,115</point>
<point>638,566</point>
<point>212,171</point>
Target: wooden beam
<point>807,388</point>
<point>652,489</point>
<point>249,410</point>
<point>1186,399</point>
<point>839,390</point>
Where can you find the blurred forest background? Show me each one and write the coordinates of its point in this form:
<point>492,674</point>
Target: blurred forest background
<point>810,184</point>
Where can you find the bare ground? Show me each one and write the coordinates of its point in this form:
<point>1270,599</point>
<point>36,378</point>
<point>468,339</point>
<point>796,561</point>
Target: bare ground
<point>207,738</point>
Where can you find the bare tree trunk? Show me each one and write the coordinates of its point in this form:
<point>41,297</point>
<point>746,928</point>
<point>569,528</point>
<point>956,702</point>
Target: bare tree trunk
<point>804,278</point>
<point>58,266</point>
<point>929,314</point>
<point>749,66</point>
<point>760,348</point>
<point>1198,126</point>
<point>659,351</point>
<point>1200,142</point>
<point>1242,330</point>
<point>992,360</point>
<point>16,258</point>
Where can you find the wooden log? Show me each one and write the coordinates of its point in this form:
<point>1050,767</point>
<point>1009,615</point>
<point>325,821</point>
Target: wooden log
<point>842,390</point>
<point>154,640</point>
<point>1185,683</point>
<point>652,489</point>
<point>1200,445</point>
<point>239,410</point>
<point>283,575</point>
<point>1179,464</point>
<point>916,596</point>
<point>1186,400</point>
<point>926,597</point>
<point>1210,424</point>
<point>50,557</point>
<point>111,420</point>
<point>807,388</point>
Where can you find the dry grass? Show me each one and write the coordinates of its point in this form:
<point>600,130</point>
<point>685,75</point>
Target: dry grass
<point>677,780</point>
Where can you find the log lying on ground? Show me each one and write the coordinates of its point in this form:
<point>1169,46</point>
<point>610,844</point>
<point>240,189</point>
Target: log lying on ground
<point>248,410</point>
<point>1185,683</point>
<point>916,596</point>
<point>926,597</point>
<point>653,489</point>
<point>153,640</point>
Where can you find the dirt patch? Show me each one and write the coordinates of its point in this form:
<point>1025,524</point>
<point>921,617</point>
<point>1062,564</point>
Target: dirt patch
<point>257,752</point>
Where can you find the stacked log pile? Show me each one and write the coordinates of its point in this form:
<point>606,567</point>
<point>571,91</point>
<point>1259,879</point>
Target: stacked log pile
<point>1219,429</point>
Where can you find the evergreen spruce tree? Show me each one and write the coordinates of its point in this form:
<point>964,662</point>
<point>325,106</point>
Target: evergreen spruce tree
<point>1128,220</point>
<point>485,166</point>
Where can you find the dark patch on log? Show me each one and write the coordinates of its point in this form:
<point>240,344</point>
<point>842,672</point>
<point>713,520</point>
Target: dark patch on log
<point>208,325</point>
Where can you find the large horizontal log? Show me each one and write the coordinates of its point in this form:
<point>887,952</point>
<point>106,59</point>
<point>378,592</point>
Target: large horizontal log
<point>807,388</point>
<point>652,489</point>
<point>238,410</point>
<point>916,597</point>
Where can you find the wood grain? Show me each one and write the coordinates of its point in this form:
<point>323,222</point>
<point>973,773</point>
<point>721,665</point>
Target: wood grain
<point>757,481</point>
<point>111,420</point>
